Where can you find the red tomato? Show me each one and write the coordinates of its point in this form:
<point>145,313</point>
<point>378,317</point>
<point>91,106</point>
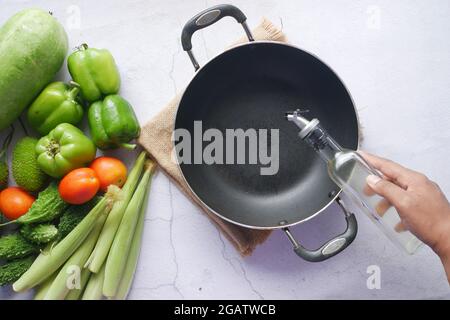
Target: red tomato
<point>79,186</point>
<point>109,171</point>
<point>15,202</point>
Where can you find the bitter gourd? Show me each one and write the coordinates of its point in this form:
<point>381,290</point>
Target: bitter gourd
<point>13,270</point>
<point>47,207</point>
<point>39,233</point>
<point>73,216</point>
<point>15,246</point>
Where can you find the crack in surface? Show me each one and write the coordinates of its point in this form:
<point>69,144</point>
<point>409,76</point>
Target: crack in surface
<point>172,67</point>
<point>222,251</point>
<point>242,269</point>
<point>162,285</point>
<point>175,261</point>
<point>244,274</point>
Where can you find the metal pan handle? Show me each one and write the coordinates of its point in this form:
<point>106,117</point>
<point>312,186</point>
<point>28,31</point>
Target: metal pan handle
<point>206,18</point>
<point>333,246</point>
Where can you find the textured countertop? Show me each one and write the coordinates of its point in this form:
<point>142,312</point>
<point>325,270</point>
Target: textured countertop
<point>393,57</point>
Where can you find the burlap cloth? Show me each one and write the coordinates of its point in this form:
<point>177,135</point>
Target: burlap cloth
<point>156,139</point>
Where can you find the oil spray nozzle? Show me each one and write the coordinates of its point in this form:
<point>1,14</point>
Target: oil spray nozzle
<point>304,124</point>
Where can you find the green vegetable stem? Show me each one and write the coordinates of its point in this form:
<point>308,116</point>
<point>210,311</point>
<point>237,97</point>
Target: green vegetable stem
<point>75,294</point>
<point>113,123</point>
<point>116,262</point>
<point>94,286</point>
<point>56,104</point>
<point>73,216</point>
<point>58,290</point>
<point>46,264</point>
<point>132,259</point>
<point>112,223</point>
<point>42,289</point>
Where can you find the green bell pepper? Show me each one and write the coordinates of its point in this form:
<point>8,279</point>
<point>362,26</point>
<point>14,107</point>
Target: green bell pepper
<point>55,104</point>
<point>64,149</point>
<point>95,71</point>
<point>113,123</point>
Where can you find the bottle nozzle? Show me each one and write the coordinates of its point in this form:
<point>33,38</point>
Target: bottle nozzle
<point>287,114</point>
<point>304,124</point>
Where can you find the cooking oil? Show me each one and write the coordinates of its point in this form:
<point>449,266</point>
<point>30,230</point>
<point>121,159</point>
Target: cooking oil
<point>350,171</point>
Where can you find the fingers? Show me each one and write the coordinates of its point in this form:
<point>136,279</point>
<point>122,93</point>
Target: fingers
<point>388,190</point>
<point>400,227</point>
<point>399,174</point>
<point>382,206</point>
<point>368,191</point>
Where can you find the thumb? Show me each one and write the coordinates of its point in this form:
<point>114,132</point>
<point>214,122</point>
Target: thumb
<point>388,190</point>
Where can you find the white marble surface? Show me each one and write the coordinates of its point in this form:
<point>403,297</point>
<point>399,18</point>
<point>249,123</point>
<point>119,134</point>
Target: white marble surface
<point>392,55</point>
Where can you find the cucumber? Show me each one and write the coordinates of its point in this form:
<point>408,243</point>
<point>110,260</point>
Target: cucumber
<point>33,46</point>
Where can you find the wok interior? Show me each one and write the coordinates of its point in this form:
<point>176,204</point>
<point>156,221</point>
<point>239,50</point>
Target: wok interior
<point>252,86</point>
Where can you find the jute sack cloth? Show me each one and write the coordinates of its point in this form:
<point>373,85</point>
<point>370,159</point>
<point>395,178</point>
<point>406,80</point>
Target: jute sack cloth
<point>156,138</point>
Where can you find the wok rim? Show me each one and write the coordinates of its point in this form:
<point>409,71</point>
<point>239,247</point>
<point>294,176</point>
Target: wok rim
<point>197,72</point>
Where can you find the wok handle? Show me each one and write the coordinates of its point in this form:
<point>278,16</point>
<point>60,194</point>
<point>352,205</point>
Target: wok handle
<point>206,18</point>
<point>333,246</point>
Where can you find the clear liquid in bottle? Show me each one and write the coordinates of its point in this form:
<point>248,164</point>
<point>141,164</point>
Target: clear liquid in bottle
<point>349,170</point>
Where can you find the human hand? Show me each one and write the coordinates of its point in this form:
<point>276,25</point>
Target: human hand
<point>423,208</point>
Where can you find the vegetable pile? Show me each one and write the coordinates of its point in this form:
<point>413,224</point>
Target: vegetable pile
<point>75,220</point>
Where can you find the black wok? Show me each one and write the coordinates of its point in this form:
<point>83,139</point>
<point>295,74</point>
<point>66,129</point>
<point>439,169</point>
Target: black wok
<point>252,86</point>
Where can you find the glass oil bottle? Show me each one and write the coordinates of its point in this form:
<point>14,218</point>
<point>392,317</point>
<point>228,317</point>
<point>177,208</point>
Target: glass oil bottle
<point>349,171</point>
